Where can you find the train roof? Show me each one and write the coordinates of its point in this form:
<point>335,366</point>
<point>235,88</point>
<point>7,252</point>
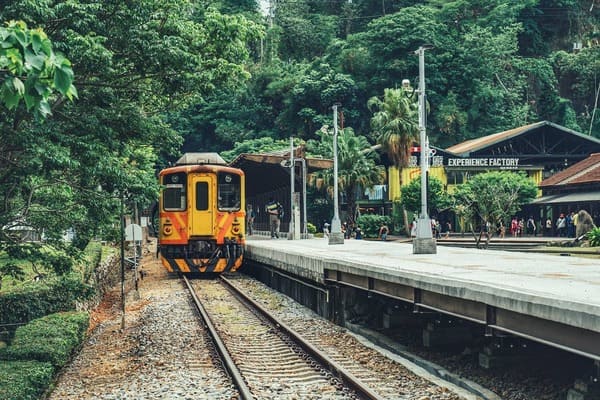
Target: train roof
<point>201,159</point>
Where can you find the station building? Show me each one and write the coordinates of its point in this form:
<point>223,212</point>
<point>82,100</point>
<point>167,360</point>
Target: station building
<point>574,189</point>
<point>541,150</point>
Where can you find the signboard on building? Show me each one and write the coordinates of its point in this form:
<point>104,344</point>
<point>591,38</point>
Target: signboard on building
<point>484,162</point>
<point>487,162</point>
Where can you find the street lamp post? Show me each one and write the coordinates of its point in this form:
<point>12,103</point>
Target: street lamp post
<point>423,243</point>
<point>122,226</point>
<point>291,230</point>
<point>335,236</point>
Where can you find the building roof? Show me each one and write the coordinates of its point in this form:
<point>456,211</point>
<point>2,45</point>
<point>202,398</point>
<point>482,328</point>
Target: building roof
<point>268,172</point>
<point>585,171</point>
<point>473,145</point>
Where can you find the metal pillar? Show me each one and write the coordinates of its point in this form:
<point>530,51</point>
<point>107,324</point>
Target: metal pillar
<point>423,243</point>
<point>335,236</point>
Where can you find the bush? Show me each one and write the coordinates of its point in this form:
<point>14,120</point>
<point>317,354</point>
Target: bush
<point>49,339</point>
<point>370,224</point>
<point>24,380</point>
<point>310,228</point>
<point>39,299</point>
<point>594,237</point>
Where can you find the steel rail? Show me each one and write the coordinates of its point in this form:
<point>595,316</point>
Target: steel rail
<point>228,362</point>
<point>339,371</point>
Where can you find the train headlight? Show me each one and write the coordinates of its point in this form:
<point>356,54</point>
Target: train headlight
<point>167,227</point>
<point>236,227</point>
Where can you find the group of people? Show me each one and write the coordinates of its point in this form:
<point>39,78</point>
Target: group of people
<point>348,230</point>
<point>564,226</point>
<point>274,210</point>
<point>518,227</point>
<point>437,228</point>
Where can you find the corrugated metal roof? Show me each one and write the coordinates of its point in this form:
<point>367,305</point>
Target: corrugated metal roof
<point>482,142</point>
<point>472,145</point>
<point>585,171</point>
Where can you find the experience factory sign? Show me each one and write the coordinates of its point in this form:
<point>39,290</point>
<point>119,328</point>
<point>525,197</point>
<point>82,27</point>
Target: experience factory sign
<point>490,162</point>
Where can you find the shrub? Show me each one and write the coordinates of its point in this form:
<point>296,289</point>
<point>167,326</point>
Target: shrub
<point>24,380</point>
<point>311,228</point>
<point>49,339</point>
<point>42,298</point>
<point>370,224</point>
<point>594,237</point>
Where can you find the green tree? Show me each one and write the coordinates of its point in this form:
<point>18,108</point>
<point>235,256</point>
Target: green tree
<point>356,166</point>
<point>438,199</point>
<point>395,124</point>
<point>134,62</point>
<point>492,197</point>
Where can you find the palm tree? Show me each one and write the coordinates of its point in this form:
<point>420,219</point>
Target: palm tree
<point>356,167</point>
<point>395,122</point>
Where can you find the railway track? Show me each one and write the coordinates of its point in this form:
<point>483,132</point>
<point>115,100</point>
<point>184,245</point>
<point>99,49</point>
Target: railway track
<point>265,358</point>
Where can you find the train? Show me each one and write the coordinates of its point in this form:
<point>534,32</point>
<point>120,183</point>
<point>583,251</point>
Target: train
<point>201,212</point>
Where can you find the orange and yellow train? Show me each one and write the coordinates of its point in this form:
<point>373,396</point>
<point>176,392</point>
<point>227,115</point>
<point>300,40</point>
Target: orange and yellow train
<point>201,215</point>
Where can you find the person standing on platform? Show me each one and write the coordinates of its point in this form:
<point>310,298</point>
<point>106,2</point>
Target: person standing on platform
<point>561,226</point>
<point>570,225</point>
<point>274,208</point>
<point>326,229</point>
<point>448,229</point>
<point>514,227</point>
<point>548,231</point>
<point>250,215</point>
<point>383,232</point>
<point>358,233</point>
<point>530,226</point>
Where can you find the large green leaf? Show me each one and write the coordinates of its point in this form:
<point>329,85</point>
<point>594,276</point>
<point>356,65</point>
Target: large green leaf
<point>63,77</point>
<point>18,85</point>
<point>35,60</point>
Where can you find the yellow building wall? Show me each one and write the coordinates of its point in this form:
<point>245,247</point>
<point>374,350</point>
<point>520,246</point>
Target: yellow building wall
<point>400,177</point>
<point>403,176</point>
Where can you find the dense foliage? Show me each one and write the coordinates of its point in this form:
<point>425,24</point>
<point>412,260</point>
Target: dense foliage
<point>370,224</point>
<point>594,236</point>
<point>24,380</point>
<point>437,198</point>
<point>38,299</point>
<point>48,339</point>
<point>38,350</point>
<point>494,66</point>
<point>132,63</point>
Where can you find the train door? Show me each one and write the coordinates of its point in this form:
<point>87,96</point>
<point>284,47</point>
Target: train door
<point>202,209</point>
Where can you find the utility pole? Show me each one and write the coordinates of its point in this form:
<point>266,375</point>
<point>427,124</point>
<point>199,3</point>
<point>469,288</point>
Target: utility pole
<point>423,243</point>
<point>291,231</point>
<point>335,236</point>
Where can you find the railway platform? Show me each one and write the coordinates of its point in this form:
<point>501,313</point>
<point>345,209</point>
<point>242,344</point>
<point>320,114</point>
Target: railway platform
<point>552,299</point>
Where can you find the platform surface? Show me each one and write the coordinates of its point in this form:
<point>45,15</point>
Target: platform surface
<point>553,287</point>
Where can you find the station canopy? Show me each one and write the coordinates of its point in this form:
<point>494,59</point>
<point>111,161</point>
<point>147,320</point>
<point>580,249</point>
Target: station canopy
<point>268,172</point>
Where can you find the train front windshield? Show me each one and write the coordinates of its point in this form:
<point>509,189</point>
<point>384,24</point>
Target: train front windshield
<point>229,191</point>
